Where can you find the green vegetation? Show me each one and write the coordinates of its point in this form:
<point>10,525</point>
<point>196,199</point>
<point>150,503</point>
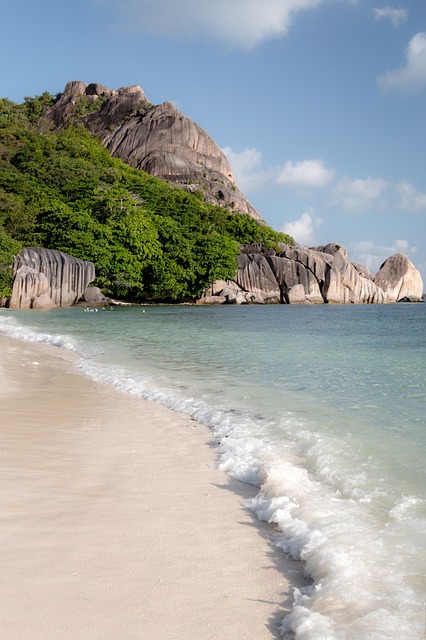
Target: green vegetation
<point>147,239</point>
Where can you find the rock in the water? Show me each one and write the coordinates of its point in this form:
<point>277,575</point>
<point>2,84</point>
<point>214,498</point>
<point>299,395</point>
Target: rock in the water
<point>46,279</point>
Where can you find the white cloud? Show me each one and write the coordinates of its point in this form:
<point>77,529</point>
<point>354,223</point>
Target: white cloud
<point>307,173</point>
<point>243,23</point>
<point>250,176</point>
<point>412,77</point>
<point>409,198</point>
<point>377,194</point>
<point>373,255</point>
<point>359,194</point>
<point>350,195</point>
<point>303,229</point>
<point>246,168</point>
<point>396,16</point>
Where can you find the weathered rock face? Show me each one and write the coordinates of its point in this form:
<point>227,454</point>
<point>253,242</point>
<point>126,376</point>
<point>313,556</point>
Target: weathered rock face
<point>46,279</point>
<point>298,275</point>
<point>73,93</point>
<point>157,139</point>
<point>93,295</point>
<point>167,144</point>
<point>399,279</point>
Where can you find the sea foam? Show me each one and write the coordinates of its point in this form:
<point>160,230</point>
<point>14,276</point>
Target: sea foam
<point>12,328</point>
<point>357,591</point>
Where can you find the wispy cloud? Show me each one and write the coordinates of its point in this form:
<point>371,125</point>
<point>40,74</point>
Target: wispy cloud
<point>408,198</point>
<point>349,195</point>
<point>303,229</point>
<point>376,194</point>
<point>242,23</point>
<point>246,166</point>
<point>396,16</point>
<point>357,195</point>
<point>250,176</point>
<point>412,77</point>
<point>373,255</point>
<point>307,173</point>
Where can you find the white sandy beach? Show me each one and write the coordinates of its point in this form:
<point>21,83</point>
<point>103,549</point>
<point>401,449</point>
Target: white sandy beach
<point>115,524</point>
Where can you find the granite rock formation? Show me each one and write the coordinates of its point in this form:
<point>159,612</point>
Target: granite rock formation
<point>46,279</point>
<point>157,139</point>
<point>399,279</point>
<point>298,275</point>
<point>93,295</point>
<point>168,145</point>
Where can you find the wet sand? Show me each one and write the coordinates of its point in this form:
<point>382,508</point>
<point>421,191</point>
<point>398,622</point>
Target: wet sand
<point>115,523</point>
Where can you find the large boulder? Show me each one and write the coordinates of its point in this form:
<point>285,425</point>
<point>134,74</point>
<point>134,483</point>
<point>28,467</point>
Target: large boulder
<point>93,295</point>
<point>257,277</point>
<point>346,284</point>
<point>399,279</point>
<point>301,275</point>
<point>30,289</point>
<point>74,94</point>
<point>46,279</point>
<point>157,139</point>
<point>295,266</point>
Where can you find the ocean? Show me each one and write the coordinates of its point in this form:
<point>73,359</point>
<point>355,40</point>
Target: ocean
<point>321,407</point>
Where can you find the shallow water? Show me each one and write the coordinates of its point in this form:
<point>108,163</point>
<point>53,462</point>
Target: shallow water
<point>322,407</point>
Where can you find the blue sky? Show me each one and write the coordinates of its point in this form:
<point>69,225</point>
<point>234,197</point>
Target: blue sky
<point>320,105</point>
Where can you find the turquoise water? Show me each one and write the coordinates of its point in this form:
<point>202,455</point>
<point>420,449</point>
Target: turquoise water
<point>322,407</point>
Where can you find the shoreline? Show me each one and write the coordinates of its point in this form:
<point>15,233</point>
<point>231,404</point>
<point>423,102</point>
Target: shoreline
<point>117,524</point>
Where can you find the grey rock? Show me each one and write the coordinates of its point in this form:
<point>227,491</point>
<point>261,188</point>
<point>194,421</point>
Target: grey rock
<point>344,284</point>
<point>399,279</point>
<point>363,270</point>
<point>296,295</point>
<point>46,279</point>
<point>157,139</point>
<point>113,106</point>
<point>299,265</point>
<point>118,107</point>
<point>167,144</point>
<point>256,276</point>
<point>331,249</point>
<point>298,275</point>
<point>230,295</point>
<point>94,295</point>
<point>216,299</point>
<point>410,299</point>
<point>29,285</point>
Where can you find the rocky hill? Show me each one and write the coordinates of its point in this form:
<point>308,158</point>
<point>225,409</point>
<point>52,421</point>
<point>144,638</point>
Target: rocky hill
<point>157,139</point>
<point>62,189</point>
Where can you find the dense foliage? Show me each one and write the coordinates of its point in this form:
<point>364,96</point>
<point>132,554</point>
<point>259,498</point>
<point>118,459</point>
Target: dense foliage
<point>147,239</point>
